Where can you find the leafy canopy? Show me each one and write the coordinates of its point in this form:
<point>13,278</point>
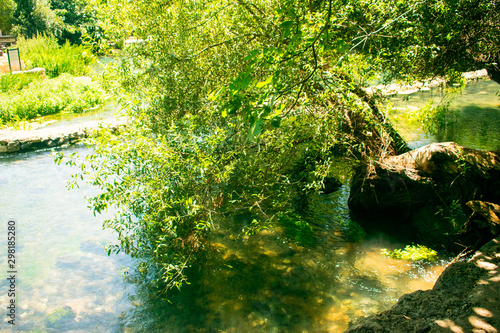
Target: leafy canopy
<point>238,107</point>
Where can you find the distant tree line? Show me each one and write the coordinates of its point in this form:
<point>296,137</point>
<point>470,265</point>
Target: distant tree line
<point>67,20</point>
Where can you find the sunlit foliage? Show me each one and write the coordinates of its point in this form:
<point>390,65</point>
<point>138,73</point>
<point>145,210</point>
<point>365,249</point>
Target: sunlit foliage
<point>412,253</point>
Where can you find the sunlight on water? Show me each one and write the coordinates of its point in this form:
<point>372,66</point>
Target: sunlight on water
<point>259,283</point>
<point>266,283</point>
<point>65,279</point>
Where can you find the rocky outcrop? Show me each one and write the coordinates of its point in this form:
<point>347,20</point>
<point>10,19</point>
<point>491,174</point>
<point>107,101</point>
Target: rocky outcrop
<point>465,298</point>
<point>427,189</point>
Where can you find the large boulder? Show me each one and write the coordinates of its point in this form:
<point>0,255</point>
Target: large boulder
<point>465,298</point>
<point>426,190</point>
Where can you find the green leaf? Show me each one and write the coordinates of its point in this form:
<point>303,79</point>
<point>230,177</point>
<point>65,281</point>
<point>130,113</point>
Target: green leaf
<point>252,55</point>
<point>276,122</point>
<point>265,83</point>
<point>255,129</point>
<point>286,24</point>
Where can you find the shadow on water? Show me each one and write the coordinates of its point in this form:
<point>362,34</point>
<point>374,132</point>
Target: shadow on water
<point>475,126</point>
<point>258,283</point>
<point>266,283</point>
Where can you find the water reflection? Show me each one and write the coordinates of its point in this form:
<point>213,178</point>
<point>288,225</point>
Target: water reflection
<point>260,283</point>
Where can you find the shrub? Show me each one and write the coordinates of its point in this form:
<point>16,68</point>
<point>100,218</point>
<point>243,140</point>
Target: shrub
<point>43,51</point>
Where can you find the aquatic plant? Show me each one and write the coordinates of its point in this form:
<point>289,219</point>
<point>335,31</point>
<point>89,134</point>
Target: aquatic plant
<point>412,252</point>
<point>296,228</point>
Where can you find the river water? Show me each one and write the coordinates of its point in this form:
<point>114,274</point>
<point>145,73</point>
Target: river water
<point>473,119</point>
<point>65,282</point>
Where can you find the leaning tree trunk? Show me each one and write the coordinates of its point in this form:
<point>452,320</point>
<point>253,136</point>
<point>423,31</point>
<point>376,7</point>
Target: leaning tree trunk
<point>398,144</point>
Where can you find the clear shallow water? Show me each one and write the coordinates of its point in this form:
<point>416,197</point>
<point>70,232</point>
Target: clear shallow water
<point>261,283</point>
<point>474,116</point>
<point>65,281</point>
<point>265,283</point>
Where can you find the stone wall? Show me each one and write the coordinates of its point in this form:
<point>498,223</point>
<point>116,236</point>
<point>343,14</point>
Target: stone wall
<point>21,141</point>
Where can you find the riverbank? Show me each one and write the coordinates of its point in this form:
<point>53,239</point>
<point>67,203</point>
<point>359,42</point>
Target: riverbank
<point>464,299</point>
<point>405,89</point>
<point>15,141</point>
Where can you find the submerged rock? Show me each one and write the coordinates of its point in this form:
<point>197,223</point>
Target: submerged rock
<point>465,298</point>
<point>426,190</point>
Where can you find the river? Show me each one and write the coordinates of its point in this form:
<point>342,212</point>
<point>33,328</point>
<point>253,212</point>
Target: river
<point>65,282</point>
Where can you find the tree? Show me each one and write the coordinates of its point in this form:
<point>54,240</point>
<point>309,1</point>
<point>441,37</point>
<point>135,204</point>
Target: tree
<point>64,19</point>
<point>242,106</point>
<point>238,107</point>
<point>436,37</point>
<point>78,17</point>
<point>23,17</point>
<point>6,13</point>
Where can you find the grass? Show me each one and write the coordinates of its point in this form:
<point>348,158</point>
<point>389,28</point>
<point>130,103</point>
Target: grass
<point>14,83</point>
<point>49,96</point>
<point>30,95</point>
<point>44,51</point>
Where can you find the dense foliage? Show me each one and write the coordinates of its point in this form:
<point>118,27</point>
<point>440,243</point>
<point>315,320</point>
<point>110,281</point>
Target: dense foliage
<point>239,107</point>
<point>434,37</point>
<point>6,14</point>
<point>67,20</point>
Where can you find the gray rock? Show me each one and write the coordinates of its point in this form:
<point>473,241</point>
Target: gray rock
<point>13,147</point>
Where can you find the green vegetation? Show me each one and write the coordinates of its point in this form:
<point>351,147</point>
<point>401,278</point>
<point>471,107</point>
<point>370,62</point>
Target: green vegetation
<point>6,14</point>
<point>14,83</point>
<point>242,107</point>
<point>29,95</point>
<point>432,37</point>
<point>412,252</point>
<point>45,52</point>
<point>22,100</point>
<point>67,20</point>
<point>297,229</point>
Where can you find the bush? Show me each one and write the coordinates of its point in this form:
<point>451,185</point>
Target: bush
<point>40,98</point>
<point>45,52</point>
